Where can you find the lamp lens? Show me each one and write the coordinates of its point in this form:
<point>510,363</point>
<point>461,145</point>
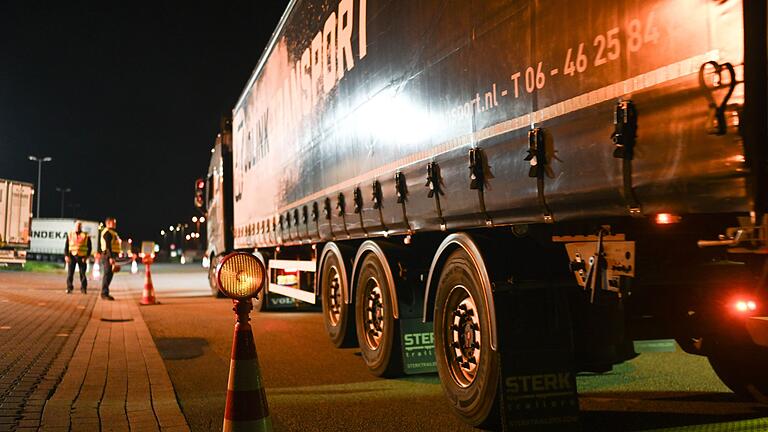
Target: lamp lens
<point>240,275</point>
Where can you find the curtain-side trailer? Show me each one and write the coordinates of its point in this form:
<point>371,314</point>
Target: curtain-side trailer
<point>594,170</point>
<point>15,218</point>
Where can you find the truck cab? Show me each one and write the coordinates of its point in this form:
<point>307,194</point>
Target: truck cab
<point>216,203</point>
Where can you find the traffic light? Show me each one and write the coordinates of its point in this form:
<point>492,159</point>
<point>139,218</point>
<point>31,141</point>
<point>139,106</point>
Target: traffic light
<point>199,193</point>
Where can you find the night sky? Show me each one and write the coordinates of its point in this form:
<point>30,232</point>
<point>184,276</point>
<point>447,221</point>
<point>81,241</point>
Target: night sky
<point>126,97</point>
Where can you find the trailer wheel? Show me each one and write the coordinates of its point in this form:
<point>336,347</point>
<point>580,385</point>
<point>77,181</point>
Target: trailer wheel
<point>742,369</point>
<point>468,367</point>
<point>377,329</point>
<point>337,314</point>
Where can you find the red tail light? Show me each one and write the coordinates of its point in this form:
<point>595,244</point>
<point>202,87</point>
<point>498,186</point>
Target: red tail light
<point>745,306</point>
<point>667,218</point>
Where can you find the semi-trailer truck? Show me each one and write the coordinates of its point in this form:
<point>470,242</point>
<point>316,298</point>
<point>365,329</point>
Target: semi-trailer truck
<point>521,188</point>
<point>217,200</point>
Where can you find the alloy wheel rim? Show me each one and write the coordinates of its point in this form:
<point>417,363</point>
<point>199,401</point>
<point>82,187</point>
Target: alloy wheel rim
<point>462,336</point>
<point>374,314</point>
<point>334,296</point>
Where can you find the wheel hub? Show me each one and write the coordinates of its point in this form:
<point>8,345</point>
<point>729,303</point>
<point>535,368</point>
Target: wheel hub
<point>374,314</point>
<point>463,336</point>
<point>334,296</point>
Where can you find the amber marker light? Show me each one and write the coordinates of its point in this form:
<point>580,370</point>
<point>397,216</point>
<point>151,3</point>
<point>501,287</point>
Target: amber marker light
<point>240,275</point>
<point>667,219</point>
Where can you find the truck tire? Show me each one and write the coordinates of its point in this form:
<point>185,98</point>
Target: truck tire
<point>378,332</point>
<point>743,370</point>
<point>261,301</point>
<point>212,277</point>
<point>337,314</point>
<point>468,367</point>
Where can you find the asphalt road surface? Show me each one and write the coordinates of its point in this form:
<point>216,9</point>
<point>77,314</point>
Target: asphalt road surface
<point>312,386</point>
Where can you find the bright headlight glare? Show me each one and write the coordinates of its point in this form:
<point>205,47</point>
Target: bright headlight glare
<point>240,275</point>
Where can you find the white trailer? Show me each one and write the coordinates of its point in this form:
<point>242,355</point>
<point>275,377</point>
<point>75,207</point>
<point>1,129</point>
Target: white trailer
<point>49,235</point>
<point>15,215</point>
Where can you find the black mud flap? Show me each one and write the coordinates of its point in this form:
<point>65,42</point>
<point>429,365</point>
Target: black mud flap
<point>538,380</point>
<point>418,341</point>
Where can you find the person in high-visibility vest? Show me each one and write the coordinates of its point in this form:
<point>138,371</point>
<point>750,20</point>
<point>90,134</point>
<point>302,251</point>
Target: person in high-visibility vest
<point>77,249</point>
<point>109,245</point>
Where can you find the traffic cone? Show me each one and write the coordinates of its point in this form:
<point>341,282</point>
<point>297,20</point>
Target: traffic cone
<point>96,270</point>
<point>246,408</point>
<point>148,294</point>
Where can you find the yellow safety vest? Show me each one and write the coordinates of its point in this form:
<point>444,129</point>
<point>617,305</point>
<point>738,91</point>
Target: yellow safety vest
<point>78,243</point>
<point>114,246</point>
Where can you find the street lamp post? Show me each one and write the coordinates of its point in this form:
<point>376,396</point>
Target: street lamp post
<point>39,161</point>
<point>197,222</point>
<point>63,191</point>
<point>173,235</point>
<point>74,207</point>
<point>200,222</point>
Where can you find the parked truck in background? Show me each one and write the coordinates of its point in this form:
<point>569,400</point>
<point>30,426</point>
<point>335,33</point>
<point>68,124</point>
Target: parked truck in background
<point>15,215</point>
<point>50,234</point>
<point>216,205</point>
<point>217,201</point>
<point>598,168</point>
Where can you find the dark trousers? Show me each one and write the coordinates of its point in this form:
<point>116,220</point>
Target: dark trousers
<point>82,264</point>
<point>106,278</point>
